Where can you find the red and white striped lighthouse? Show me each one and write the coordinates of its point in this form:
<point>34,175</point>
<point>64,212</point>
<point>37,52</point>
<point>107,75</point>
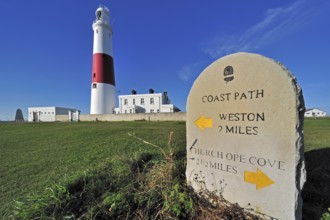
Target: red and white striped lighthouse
<point>103,95</point>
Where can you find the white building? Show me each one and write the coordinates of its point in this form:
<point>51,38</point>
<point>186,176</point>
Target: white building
<point>48,114</point>
<point>314,112</point>
<point>145,103</point>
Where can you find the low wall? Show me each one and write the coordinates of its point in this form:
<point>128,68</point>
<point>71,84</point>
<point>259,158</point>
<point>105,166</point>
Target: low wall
<point>174,116</point>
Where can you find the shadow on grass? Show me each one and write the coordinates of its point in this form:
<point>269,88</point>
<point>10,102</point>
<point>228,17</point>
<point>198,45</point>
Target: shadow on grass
<point>316,192</point>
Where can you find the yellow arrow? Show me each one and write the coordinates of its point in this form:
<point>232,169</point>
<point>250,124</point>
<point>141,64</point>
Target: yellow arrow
<point>203,122</point>
<point>259,178</point>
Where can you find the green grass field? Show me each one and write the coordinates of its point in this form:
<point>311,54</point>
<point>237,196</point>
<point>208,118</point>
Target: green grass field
<point>35,156</point>
<point>317,133</point>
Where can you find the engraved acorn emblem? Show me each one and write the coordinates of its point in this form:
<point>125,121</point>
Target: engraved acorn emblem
<point>228,74</point>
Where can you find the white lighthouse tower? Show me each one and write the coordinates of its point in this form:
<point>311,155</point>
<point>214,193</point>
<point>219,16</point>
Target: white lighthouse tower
<point>103,96</point>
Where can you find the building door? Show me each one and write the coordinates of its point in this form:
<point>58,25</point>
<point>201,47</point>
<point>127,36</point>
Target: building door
<point>35,116</point>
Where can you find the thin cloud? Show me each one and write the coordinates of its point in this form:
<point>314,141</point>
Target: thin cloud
<point>276,23</point>
<point>190,70</point>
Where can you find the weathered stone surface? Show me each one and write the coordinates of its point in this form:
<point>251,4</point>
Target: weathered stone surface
<point>245,135</point>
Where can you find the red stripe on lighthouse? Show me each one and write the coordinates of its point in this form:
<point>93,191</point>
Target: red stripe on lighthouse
<point>103,70</point>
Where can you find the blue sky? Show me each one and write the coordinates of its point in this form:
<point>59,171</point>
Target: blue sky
<point>46,46</point>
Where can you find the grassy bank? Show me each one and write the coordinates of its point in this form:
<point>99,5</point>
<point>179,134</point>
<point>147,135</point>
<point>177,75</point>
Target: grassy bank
<point>34,156</point>
<point>88,167</point>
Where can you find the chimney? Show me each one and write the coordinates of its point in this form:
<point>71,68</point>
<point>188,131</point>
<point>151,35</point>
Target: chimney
<point>151,91</point>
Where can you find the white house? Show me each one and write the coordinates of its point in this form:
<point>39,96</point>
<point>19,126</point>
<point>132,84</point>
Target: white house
<point>48,114</point>
<point>314,112</point>
<point>145,103</point>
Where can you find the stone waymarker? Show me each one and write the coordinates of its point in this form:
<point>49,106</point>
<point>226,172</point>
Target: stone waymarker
<point>245,135</point>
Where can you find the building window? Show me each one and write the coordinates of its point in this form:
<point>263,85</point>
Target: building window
<point>94,75</point>
<point>130,111</point>
<point>142,101</point>
<point>152,111</point>
<point>94,85</point>
<point>152,101</point>
<point>158,110</point>
<point>99,15</point>
<point>133,101</point>
<point>125,102</point>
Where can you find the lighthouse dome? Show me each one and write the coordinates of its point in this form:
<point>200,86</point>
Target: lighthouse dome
<point>102,14</point>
